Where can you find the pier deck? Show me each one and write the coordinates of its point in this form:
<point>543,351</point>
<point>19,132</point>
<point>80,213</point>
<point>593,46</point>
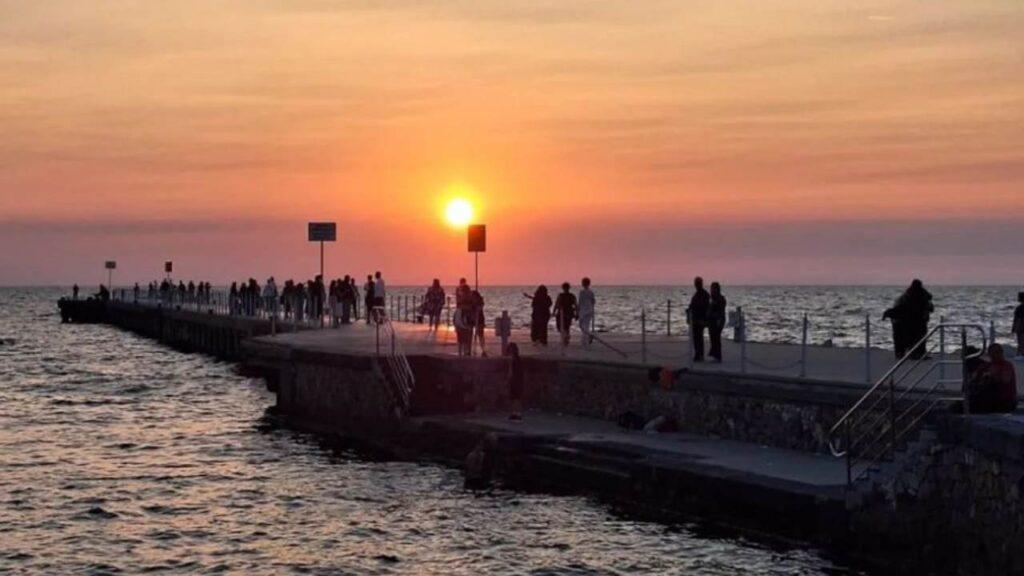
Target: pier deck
<point>848,366</point>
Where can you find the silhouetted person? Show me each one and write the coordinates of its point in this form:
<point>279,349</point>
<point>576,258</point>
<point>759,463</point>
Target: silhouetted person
<point>479,319</point>
<point>462,292</point>
<point>515,382</point>
<point>379,290</point>
<point>433,304</point>
<point>74,292</point>
<point>716,321</point>
<point>909,317</point>
<point>992,385</point>
<point>565,312</point>
<point>1018,323</point>
<point>540,315</point>
<point>700,303</point>
<point>587,305</point>
<point>369,301</point>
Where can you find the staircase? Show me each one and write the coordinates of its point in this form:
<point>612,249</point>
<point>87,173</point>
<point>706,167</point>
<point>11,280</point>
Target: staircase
<point>393,364</point>
<point>888,423</point>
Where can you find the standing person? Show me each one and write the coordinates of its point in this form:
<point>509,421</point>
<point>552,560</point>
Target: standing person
<point>910,315</point>
<point>698,315</point>
<point>587,304</point>
<point>74,292</point>
<point>347,299</point>
<point>232,298</point>
<point>300,296</point>
<point>434,304</point>
<point>270,297</point>
<point>540,315</point>
<point>333,305</point>
<point>355,298</point>
<point>379,291</point>
<point>462,293</point>
<point>463,321</point>
<point>565,312</point>
<point>368,295</point>
<point>479,319</point>
<point>515,382</point>
<point>716,321</point>
<point>1018,323</point>
<point>135,292</point>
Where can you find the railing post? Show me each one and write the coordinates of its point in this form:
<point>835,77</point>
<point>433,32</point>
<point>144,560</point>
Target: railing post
<point>406,308</point>
<point>942,347</point>
<point>991,333</point>
<point>803,349</point>
<point>867,348</point>
<point>668,317</point>
<point>643,335</point>
<point>892,418</point>
<point>963,369</point>
<point>849,453</point>
<point>743,340</point>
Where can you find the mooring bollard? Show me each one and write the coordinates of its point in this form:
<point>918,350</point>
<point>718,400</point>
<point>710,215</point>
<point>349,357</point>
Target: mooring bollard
<point>643,335</point>
<point>803,349</point>
<point>867,348</point>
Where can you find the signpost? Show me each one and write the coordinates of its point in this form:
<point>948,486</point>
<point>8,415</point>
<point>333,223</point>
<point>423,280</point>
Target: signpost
<point>477,240</point>
<point>323,232</point>
<point>110,265</point>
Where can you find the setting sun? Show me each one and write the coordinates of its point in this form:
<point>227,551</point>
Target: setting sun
<point>459,212</point>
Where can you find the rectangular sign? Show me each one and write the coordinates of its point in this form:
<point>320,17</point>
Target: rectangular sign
<point>168,266</point>
<point>323,232</point>
<point>111,265</point>
<point>477,235</point>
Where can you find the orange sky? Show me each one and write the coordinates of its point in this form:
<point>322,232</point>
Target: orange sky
<point>646,141</point>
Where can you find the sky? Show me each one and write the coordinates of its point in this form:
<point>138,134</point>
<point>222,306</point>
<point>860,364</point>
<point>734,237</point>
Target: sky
<point>810,142</point>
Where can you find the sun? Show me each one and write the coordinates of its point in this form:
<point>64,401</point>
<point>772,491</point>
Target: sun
<point>459,212</point>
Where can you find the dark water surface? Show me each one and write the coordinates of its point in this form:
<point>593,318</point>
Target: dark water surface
<point>118,455</point>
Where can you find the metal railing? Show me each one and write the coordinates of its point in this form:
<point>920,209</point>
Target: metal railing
<point>393,362</point>
<point>872,429</point>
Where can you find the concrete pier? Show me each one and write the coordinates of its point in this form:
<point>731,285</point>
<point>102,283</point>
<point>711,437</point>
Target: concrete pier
<point>751,445</point>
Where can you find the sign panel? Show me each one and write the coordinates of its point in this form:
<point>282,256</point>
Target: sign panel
<point>168,266</point>
<point>323,232</point>
<point>477,234</point>
<point>110,265</point>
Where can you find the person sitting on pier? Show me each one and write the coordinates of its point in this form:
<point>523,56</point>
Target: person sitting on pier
<point>1002,382</point>
<point>1018,323</point>
<point>540,315</point>
<point>565,312</point>
<point>700,302</point>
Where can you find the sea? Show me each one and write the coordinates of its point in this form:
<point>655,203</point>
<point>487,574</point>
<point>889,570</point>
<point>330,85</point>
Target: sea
<point>121,456</point>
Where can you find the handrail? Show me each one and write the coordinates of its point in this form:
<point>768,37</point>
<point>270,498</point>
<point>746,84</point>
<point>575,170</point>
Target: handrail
<point>873,426</point>
<point>398,373</point>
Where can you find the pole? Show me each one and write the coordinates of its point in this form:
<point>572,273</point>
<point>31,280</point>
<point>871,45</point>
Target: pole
<point>942,348</point>
<point>322,281</point>
<point>476,278</point>
<point>803,349</point>
<point>867,348</point>
<point>643,335</point>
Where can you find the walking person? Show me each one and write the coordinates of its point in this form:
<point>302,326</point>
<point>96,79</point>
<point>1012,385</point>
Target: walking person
<point>565,312</point>
<point>515,382</point>
<point>716,321</point>
<point>540,315</point>
<point>700,302</point>
<point>1018,323</point>
<point>587,304</point>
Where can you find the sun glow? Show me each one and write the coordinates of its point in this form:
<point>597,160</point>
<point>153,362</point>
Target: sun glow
<point>459,212</point>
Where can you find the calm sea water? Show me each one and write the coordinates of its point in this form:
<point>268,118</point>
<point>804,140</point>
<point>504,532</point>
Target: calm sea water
<point>774,313</point>
<point>118,455</point>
